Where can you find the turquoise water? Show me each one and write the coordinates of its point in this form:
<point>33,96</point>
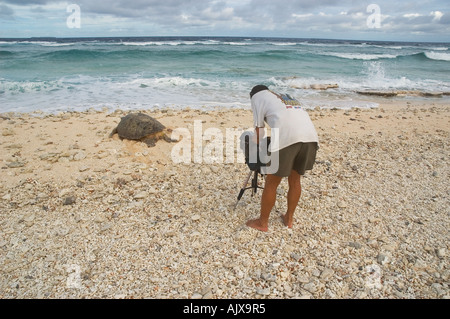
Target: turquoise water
<point>135,73</point>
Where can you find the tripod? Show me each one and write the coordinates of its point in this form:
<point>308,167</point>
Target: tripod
<point>255,170</point>
<point>254,186</point>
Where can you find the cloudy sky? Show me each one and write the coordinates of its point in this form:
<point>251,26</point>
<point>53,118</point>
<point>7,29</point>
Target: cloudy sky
<point>424,20</point>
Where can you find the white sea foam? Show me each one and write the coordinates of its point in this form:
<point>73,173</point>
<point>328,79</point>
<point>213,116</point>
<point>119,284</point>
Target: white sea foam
<point>284,43</point>
<point>237,43</point>
<point>55,44</point>
<point>438,56</point>
<point>150,43</point>
<point>177,43</point>
<point>176,81</point>
<point>83,92</point>
<point>322,44</point>
<point>438,48</point>
<point>360,56</point>
<point>373,77</point>
<point>40,43</point>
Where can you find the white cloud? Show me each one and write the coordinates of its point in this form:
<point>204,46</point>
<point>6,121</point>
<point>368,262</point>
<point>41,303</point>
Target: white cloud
<point>210,14</point>
<point>437,15</point>
<point>302,16</point>
<point>411,15</point>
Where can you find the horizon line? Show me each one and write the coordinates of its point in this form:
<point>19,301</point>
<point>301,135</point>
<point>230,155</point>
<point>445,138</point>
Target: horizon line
<point>215,36</point>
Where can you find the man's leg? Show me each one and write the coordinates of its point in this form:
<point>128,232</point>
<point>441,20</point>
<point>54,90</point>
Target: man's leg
<point>268,199</point>
<point>295,190</point>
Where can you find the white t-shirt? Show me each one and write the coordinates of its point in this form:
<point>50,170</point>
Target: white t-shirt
<point>288,121</point>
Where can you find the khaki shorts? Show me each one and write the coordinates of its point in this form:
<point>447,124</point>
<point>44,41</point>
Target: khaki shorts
<point>299,157</point>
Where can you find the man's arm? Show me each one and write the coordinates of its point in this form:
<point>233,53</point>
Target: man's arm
<point>259,133</point>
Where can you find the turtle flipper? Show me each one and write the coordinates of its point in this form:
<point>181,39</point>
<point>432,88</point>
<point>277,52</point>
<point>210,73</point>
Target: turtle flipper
<point>113,132</point>
<point>150,141</point>
<point>168,139</point>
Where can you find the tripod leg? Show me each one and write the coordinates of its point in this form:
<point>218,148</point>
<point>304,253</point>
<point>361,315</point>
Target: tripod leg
<point>246,181</point>
<point>243,189</point>
<point>255,183</point>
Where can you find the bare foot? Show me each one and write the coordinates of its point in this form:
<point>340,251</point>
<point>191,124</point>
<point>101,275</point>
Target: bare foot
<point>256,224</point>
<point>287,222</point>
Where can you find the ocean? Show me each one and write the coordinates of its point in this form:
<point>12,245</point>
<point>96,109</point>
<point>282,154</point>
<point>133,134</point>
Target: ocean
<point>76,74</point>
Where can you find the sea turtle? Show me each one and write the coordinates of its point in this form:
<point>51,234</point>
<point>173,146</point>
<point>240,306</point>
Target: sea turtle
<point>142,127</point>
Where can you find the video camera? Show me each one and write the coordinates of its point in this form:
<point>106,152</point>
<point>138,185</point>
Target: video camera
<point>254,163</point>
<point>253,152</point>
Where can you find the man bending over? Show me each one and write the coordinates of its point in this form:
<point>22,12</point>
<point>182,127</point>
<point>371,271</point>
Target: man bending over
<point>294,142</point>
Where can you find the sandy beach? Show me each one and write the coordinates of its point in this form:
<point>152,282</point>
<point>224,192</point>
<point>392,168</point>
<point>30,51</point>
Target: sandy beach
<point>84,215</point>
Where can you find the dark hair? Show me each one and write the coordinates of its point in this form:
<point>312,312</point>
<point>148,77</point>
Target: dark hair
<point>257,89</point>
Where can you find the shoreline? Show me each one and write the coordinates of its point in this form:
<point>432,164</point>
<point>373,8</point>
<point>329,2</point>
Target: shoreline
<point>321,98</point>
<point>88,216</point>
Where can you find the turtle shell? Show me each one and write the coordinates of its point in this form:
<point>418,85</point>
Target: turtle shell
<point>136,126</point>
